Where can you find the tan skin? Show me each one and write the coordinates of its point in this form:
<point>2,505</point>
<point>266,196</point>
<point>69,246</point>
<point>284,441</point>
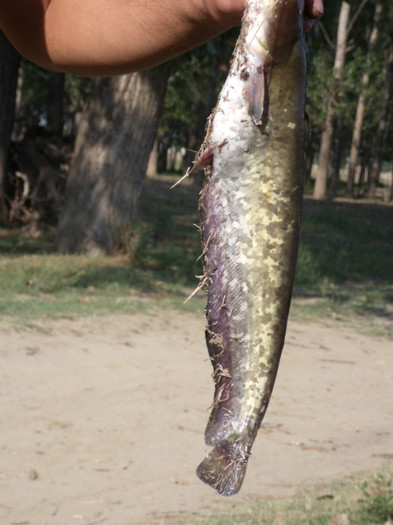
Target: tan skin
<point>107,37</point>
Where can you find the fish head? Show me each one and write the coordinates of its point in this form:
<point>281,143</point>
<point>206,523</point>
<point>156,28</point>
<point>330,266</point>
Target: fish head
<point>277,28</point>
<point>273,37</point>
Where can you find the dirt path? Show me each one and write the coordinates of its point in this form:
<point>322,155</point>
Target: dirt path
<point>102,420</point>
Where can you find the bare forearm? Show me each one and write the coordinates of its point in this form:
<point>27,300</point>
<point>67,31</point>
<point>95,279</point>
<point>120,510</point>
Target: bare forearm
<point>107,37</point>
<point>103,37</point>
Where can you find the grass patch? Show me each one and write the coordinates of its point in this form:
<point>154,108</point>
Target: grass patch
<point>344,272</point>
<point>345,269</point>
<point>51,285</point>
<point>347,241</point>
<point>364,500</point>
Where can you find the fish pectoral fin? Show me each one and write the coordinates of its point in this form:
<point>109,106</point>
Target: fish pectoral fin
<point>203,161</point>
<point>224,467</point>
<point>257,96</point>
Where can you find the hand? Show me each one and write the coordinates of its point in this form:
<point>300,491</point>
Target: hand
<point>228,13</point>
<point>313,9</point>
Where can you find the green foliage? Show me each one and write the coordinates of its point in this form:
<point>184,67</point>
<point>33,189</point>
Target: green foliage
<point>77,89</point>
<point>41,284</point>
<point>155,248</point>
<point>194,82</point>
<point>35,86</point>
<point>307,266</point>
<point>376,504</point>
<point>35,90</point>
<point>344,272</point>
<point>160,265</point>
<point>335,502</point>
<point>170,246</point>
<point>319,85</point>
<point>344,269</point>
<point>357,246</point>
<point>345,92</point>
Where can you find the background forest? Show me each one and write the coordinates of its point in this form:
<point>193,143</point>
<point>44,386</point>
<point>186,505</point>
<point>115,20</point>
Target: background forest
<point>74,152</point>
<point>101,354</point>
<point>86,164</point>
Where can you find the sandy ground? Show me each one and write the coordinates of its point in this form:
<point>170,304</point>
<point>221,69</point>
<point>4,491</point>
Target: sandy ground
<point>102,420</point>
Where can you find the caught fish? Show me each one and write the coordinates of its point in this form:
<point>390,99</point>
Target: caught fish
<point>250,214</point>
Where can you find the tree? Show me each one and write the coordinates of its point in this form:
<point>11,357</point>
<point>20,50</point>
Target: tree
<point>382,126</point>
<point>195,80</point>
<point>9,62</point>
<point>361,105</point>
<point>327,133</point>
<point>55,111</point>
<point>112,148</point>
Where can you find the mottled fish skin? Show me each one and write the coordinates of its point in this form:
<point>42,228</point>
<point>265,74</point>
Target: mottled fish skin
<point>250,215</point>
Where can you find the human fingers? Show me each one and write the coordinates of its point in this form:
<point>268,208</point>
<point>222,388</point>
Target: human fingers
<point>226,13</point>
<point>313,9</point>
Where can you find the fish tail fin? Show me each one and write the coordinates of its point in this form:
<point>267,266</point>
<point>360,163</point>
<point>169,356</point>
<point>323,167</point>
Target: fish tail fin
<point>224,467</point>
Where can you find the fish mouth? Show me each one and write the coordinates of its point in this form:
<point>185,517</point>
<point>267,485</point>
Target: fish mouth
<point>271,47</point>
<point>273,40</point>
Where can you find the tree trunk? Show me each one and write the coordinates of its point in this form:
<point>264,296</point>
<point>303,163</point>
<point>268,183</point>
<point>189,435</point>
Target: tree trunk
<point>327,133</point>
<point>9,63</point>
<point>162,156</point>
<point>112,149</point>
<point>152,164</point>
<point>55,111</point>
<point>18,126</point>
<point>364,167</point>
<point>193,142</point>
<point>196,131</point>
<point>335,178</point>
<point>309,160</point>
<point>382,126</point>
<point>361,106</point>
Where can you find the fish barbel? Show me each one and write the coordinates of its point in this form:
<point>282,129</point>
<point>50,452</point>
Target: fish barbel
<point>250,218</point>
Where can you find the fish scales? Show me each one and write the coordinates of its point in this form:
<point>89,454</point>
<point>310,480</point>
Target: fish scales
<point>250,217</point>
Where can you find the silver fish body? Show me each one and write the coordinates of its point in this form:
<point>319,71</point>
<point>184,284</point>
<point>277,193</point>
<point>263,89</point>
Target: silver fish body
<point>250,216</point>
